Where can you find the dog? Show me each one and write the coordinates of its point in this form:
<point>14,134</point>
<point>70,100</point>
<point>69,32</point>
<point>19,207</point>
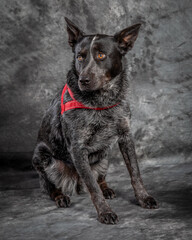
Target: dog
<point>85,119</point>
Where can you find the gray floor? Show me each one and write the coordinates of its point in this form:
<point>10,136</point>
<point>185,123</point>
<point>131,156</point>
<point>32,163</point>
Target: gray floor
<point>28,214</point>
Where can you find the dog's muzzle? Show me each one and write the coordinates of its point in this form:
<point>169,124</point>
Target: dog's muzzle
<point>84,81</point>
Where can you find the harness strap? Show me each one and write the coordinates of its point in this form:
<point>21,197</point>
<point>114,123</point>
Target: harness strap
<point>75,104</point>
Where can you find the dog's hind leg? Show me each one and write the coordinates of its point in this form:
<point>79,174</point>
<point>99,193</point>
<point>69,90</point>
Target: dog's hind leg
<point>55,194</point>
<point>100,170</point>
<point>108,193</point>
<point>42,158</point>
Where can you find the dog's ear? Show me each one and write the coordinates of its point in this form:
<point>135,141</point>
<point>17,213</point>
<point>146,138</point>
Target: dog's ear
<point>127,37</point>
<point>74,33</point>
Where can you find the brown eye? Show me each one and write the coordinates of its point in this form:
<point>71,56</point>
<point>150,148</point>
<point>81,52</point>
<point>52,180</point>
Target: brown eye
<point>80,58</point>
<point>101,56</point>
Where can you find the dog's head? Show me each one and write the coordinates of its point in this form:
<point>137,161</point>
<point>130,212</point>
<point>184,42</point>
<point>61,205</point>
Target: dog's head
<point>98,58</point>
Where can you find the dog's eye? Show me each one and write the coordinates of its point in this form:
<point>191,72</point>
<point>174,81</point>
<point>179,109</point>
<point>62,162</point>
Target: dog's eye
<point>80,58</point>
<point>101,55</point>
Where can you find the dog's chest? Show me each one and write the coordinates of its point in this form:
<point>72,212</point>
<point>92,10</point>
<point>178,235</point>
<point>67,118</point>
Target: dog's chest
<point>97,136</point>
<point>94,131</point>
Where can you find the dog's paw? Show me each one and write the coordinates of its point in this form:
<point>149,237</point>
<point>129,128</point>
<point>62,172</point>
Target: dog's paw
<point>108,218</point>
<point>108,193</point>
<point>62,201</point>
<point>148,202</point>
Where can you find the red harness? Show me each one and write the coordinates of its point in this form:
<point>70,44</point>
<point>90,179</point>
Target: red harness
<point>75,104</point>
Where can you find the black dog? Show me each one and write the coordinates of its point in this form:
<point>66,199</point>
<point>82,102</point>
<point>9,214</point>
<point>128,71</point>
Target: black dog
<point>85,119</point>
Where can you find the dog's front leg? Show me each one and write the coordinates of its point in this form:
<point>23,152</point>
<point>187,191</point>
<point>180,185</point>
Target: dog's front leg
<point>127,149</point>
<point>81,162</point>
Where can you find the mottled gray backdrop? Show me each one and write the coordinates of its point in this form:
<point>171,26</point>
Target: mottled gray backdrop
<point>35,57</point>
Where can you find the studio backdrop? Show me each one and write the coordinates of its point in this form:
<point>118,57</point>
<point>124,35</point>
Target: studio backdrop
<point>35,58</point>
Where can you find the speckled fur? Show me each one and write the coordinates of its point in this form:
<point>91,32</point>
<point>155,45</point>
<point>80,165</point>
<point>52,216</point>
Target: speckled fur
<point>71,150</point>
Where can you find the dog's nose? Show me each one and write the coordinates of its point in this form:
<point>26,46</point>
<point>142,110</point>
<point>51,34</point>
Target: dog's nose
<point>84,80</point>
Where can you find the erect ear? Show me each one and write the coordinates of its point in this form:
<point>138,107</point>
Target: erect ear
<point>74,33</point>
<point>127,37</point>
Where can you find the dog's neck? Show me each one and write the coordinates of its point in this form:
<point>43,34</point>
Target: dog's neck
<point>113,92</point>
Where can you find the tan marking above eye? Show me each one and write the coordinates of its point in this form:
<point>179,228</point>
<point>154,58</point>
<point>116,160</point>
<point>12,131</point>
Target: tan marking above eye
<point>80,58</point>
<point>101,55</point>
